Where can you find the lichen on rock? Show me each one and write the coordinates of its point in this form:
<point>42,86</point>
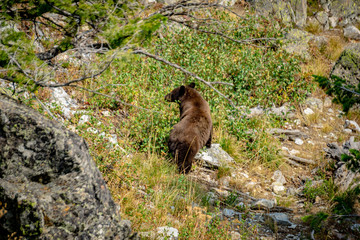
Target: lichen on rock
<point>50,188</point>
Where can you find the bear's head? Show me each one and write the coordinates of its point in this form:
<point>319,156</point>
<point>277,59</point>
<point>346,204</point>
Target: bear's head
<point>178,93</point>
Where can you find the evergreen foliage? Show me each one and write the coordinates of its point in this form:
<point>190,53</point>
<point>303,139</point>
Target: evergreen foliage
<point>344,94</point>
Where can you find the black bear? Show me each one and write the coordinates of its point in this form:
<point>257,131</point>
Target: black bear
<point>194,129</point>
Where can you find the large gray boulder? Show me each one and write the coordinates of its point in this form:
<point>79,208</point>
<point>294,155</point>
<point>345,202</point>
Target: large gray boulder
<point>347,11</point>
<point>50,188</point>
<point>289,11</point>
<point>347,66</point>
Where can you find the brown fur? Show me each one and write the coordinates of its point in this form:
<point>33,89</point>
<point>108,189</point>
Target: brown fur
<point>194,130</point>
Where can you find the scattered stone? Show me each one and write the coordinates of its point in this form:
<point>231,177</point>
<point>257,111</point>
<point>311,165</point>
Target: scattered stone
<point>278,188</point>
<point>256,111</point>
<point>356,227</point>
<point>112,138</point>
<point>323,17</point>
<point>229,213</point>
<point>294,152</point>
<point>352,125</point>
<point>291,191</point>
<point>214,156</point>
<point>308,111</point>
<point>348,131</point>
<point>106,113</point>
<point>327,102</point>
<point>211,198</point>
<point>62,99</point>
<point>221,193</point>
<point>352,32</point>
<point>84,119</point>
<point>298,141</point>
<point>297,122</point>
<point>283,112</point>
<point>263,204</point>
<point>298,43</point>
<point>235,235</point>
<point>279,219</point>
<point>333,21</point>
<point>317,199</point>
<point>278,177</point>
<point>330,110</point>
<point>314,103</point>
<point>168,233</point>
<point>225,181</point>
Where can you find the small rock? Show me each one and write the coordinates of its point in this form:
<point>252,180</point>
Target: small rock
<point>235,235</point>
<point>211,198</point>
<point>282,111</point>
<point>256,111</point>
<point>294,152</point>
<point>346,130</point>
<point>62,99</point>
<point>250,184</point>
<point>311,142</point>
<point>291,191</point>
<point>298,141</point>
<point>106,113</point>
<point>214,156</point>
<point>225,181</point>
<point>330,110</point>
<point>278,177</point>
<point>314,103</point>
<point>333,21</point>
<point>352,125</point>
<point>356,227</point>
<point>278,188</point>
<point>84,119</point>
<point>279,219</point>
<point>352,32</point>
<point>317,199</point>
<point>245,175</point>
<point>168,233</point>
<point>297,122</point>
<point>308,111</point>
<point>327,102</point>
<point>229,213</point>
<point>264,204</point>
<point>112,138</point>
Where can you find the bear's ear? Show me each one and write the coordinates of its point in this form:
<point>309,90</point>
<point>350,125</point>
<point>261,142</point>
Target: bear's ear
<point>192,85</point>
<point>182,91</point>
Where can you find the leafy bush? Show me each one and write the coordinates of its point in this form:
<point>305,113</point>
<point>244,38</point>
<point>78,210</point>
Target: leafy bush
<point>347,95</point>
<point>352,161</point>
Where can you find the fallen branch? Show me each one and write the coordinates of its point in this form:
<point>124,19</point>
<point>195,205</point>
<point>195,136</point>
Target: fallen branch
<point>299,159</point>
<point>293,163</point>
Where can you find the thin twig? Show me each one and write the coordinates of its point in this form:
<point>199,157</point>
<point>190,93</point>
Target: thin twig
<point>346,89</point>
<point>222,83</point>
<point>45,108</point>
